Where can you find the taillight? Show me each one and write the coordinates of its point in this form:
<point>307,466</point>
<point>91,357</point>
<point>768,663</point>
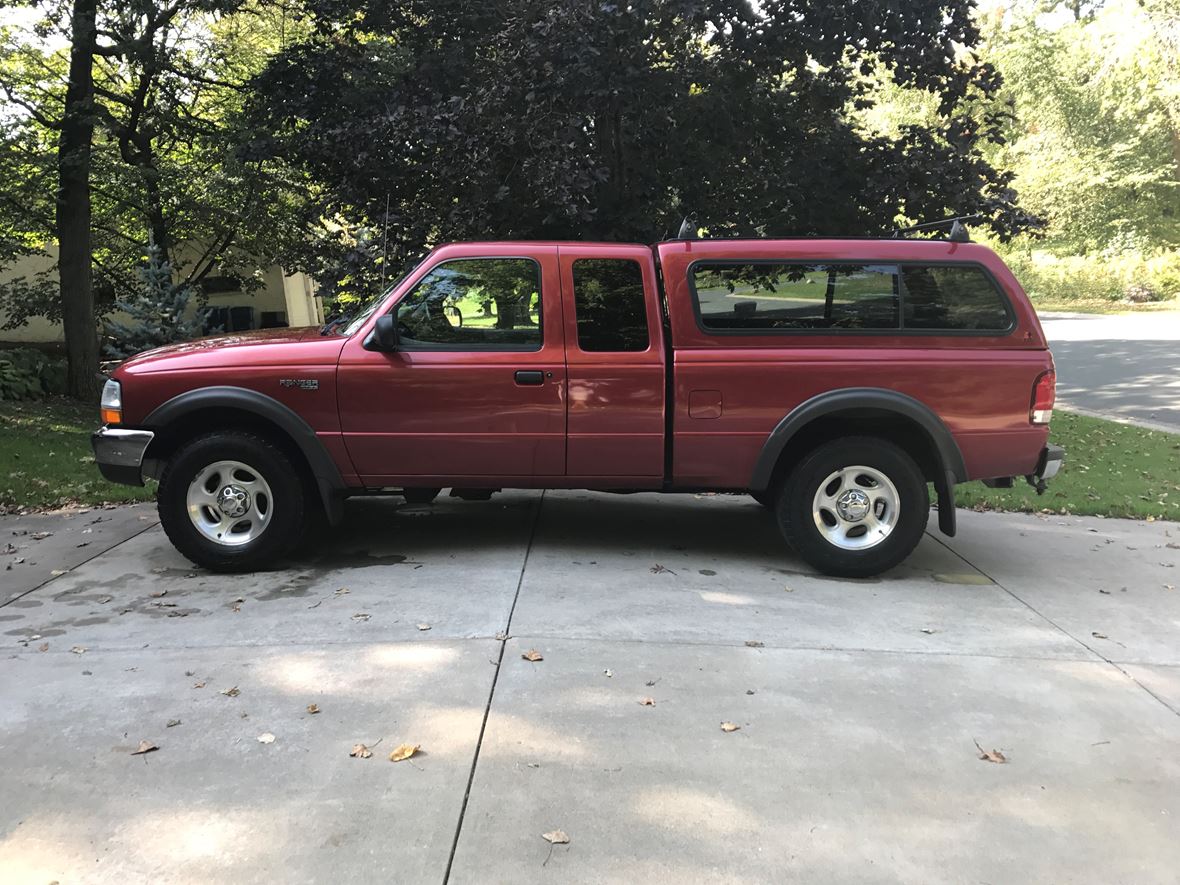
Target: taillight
<point>1043,395</point>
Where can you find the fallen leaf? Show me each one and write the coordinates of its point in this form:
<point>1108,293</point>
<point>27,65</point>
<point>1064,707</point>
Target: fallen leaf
<point>44,646</point>
<point>532,655</point>
<point>200,684</point>
<point>144,747</point>
<point>658,569</point>
<point>423,626</point>
<point>729,726</point>
<point>236,607</point>
<point>40,536</point>
<point>156,594</point>
<point>58,572</point>
<point>231,692</point>
<point>501,636</point>
<point>403,752</point>
<point>556,837</point>
<point>754,643</point>
<point>929,630</point>
<point>1099,635</point>
<point>360,751</point>
<point>78,649</point>
<point>991,755</point>
<point>789,589</point>
<point>266,738</point>
<point>607,673</point>
<point>361,616</point>
<point>313,708</point>
<point>647,702</point>
<point>172,723</point>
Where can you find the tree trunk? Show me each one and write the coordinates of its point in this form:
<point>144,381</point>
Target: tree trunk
<point>73,207</point>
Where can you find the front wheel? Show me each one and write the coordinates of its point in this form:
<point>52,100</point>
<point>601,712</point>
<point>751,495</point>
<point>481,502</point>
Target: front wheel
<point>231,501</point>
<point>854,507</point>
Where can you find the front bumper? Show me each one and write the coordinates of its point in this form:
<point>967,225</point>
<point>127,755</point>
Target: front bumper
<point>119,453</point>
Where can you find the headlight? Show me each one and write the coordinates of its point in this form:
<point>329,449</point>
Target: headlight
<point>111,406</point>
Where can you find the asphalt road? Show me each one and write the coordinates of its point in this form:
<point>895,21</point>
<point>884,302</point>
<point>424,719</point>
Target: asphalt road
<point>1122,366</point>
<point>862,707</point>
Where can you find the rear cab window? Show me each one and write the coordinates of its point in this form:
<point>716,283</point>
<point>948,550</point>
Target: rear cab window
<point>610,305</point>
<point>759,297</point>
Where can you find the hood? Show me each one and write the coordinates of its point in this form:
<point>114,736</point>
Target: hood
<point>239,348</point>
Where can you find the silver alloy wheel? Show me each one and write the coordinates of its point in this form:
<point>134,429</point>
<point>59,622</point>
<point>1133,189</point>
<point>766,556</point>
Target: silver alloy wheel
<point>230,503</point>
<point>856,507</point>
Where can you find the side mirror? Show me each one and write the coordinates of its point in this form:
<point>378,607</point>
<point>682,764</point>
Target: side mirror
<point>384,334</point>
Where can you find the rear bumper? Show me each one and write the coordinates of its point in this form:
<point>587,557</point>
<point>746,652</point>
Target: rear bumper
<point>1052,457</point>
<point>119,453</point>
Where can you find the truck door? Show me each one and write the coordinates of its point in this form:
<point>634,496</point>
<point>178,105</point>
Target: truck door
<point>475,391</point>
<point>614,364</point>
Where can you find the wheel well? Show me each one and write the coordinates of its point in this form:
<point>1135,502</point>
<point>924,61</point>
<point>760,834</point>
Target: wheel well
<point>903,432</point>
<point>201,421</point>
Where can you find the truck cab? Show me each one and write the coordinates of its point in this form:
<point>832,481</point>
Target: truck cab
<point>832,380</point>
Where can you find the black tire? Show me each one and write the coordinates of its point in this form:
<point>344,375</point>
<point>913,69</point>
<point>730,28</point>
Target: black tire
<point>420,495</point>
<point>288,510</point>
<point>797,515</point>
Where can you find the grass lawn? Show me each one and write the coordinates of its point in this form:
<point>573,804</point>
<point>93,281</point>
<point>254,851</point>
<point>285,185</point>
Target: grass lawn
<point>45,458</point>
<point>1110,469</point>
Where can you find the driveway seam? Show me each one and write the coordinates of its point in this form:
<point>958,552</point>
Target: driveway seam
<point>492,691</point>
<point>92,556</point>
<point>1079,641</point>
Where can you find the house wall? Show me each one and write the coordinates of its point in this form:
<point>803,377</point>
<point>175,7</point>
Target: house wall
<point>291,296</point>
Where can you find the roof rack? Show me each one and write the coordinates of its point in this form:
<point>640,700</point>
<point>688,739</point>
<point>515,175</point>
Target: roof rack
<point>958,230</point>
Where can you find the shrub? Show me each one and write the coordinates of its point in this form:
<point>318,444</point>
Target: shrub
<point>26,373</point>
<point>1122,276</point>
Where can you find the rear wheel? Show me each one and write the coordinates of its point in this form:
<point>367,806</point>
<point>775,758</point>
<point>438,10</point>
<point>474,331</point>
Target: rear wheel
<point>232,501</point>
<point>854,507</point>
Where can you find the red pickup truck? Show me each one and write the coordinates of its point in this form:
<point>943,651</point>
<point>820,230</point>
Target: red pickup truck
<point>831,380</point>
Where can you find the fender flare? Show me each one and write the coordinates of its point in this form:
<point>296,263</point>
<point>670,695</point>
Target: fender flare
<point>951,468</point>
<point>327,475</point>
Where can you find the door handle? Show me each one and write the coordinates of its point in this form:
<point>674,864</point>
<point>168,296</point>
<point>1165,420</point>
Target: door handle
<point>530,376</point>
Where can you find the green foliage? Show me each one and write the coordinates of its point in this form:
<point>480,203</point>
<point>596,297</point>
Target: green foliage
<point>167,109</point>
<point>1079,281</point>
<point>26,373</point>
<point>1092,142</point>
<point>514,119</point>
<point>161,312</point>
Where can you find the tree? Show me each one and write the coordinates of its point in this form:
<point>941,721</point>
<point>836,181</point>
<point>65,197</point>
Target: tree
<point>1093,139</point>
<point>601,120</point>
<point>157,314</point>
<point>142,107</point>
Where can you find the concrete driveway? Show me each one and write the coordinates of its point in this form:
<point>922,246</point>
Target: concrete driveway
<point>1055,641</point>
<point>1122,366</point>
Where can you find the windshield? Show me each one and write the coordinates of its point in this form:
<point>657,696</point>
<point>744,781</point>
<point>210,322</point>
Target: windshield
<point>351,319</point>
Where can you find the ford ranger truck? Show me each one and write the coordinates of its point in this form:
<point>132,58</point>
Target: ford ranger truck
<point>833,381</point>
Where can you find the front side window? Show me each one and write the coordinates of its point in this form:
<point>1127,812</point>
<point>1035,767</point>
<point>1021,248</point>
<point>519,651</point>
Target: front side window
<point>952,298</point>
<point>756,296</point>
<point>609,303</point>
<point>474,304</point>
